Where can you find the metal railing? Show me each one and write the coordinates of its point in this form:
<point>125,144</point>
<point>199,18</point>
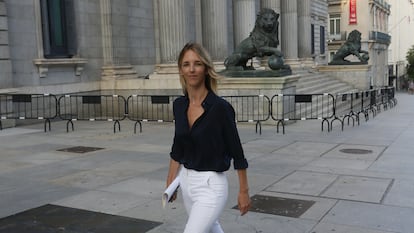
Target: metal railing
<point>92,108</point>
<point>250,108</point>
<point>350,106</point>
<point>28,107</point>
<point>287,107</point>
<point>147,108</point>
<point>159,108</point>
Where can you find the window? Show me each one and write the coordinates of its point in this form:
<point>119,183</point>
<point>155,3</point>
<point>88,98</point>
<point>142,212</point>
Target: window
<point>335,27</point>
<point>312,39</point>
<point>58,28</point>
<point>322,40</point>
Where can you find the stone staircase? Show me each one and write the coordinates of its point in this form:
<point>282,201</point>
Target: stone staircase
<point>313,82</point>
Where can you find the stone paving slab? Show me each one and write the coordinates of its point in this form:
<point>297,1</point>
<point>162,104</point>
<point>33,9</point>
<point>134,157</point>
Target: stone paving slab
<point>267,165</point>
<point>106,175</point>
<point>372,216</point>
<point>401,163</point>
<point>306,183</point>
<point>366,189</point>
<point>102,201</point>
<point>139,186</point>
<point>314,149</point>
<point>355,164</point>
<point>337,228</point>
<point>263,146</point>
<point>401,193</point>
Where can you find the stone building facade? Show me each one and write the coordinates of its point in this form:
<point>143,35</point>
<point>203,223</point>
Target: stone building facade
<point>5,63</point>
<point>76,45</point>
<point>370,17</point>
<point>402,30</point>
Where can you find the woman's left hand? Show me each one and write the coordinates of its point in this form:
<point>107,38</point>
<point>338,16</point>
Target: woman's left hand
<point>243,202</point>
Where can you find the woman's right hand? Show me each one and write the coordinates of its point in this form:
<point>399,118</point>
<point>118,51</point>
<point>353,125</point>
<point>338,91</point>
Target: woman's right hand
<point>172,173</point>
<point>174,196</point>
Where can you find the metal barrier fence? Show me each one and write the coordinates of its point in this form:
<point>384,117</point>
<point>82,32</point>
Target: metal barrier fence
<point>391,96</point>
<point>350,106</point>
<point>28,107</point>
<point>387,97</point>
<point>92,108</point>
<point>147,108</point>
<point>286,107</point>
<point>250,108</point>
<point>365,106</point>
<point>345,108</point>
<point>159,108</point>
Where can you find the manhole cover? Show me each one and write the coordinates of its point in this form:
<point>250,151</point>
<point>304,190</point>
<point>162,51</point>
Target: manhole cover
<point>279,206</point>
<point>80,149</point>
<point>356,151</point>
<point>53,218</point>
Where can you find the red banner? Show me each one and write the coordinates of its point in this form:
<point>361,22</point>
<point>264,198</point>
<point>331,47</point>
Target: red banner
<point>352,12</point>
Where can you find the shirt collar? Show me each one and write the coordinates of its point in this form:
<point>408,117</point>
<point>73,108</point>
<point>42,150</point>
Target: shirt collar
<point>208,101</point>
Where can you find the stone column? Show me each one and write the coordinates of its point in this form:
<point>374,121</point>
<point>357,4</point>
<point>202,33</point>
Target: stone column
<point>271,4</point>
<point>214,28</point>
<point>5,63</point>
<point>289,30</point>
<point>244,17</point>
<point>115,41</point>
<point>106,26</point>
<point>175,30</point>
<point>175,25</point>
<point>304,28</point>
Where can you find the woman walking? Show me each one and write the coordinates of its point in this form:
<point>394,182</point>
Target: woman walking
<point>205,142</point>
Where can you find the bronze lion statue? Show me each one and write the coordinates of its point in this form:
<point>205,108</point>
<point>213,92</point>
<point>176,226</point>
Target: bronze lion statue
<point>263,41</point>
<point>352,46</point>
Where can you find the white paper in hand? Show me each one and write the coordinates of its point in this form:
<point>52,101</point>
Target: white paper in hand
<point>166,196</point>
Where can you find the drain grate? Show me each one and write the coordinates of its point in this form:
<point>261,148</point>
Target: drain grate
<point>279,206</point>
<point>355,151</point>
<point>53,218</point>
<point>80,149</point>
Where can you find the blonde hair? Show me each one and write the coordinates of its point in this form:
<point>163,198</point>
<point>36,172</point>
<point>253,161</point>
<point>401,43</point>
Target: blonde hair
<point>211,75</point>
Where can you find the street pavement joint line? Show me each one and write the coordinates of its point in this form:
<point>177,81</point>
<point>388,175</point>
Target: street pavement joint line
<point>330,185</point>
<point>326,213</point>
<point>333,148</point>
<point>387,190</point>
<point>379,156</point>
<point>281,178</point>
<point>284,146</point>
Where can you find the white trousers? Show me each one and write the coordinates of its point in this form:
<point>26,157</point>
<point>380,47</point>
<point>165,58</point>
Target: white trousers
<point>205,195</point>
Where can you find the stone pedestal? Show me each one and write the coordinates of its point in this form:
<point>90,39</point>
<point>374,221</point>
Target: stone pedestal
<point>358,76</point>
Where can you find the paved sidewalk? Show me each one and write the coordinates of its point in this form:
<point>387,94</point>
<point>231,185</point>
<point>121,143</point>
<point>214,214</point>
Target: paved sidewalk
<point>360,180</point>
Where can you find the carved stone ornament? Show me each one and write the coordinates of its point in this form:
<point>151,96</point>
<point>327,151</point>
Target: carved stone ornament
<point>263,41</point>
<point>352,46</point>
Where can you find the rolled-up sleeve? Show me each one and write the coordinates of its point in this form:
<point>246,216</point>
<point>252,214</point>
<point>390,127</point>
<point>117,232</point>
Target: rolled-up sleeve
<point>176,150</point>
<point>232,139</point>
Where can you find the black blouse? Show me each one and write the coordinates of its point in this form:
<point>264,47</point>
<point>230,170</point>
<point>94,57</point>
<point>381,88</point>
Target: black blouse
<point>212,141</point>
